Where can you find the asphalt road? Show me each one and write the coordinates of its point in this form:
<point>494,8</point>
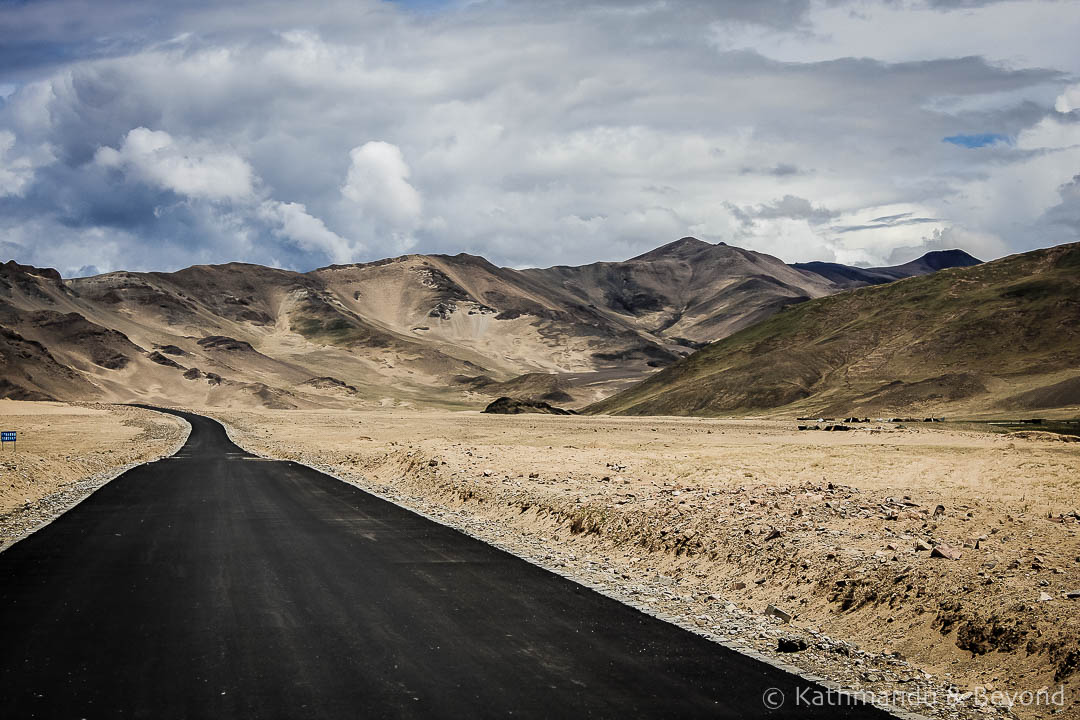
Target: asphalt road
<point>215,584</point>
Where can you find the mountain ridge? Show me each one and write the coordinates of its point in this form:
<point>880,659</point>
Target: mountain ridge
<point>400,330</point>
<point>985,339</point>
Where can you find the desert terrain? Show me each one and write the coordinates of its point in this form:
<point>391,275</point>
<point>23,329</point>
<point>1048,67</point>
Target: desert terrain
<point>66,451</point>
<point>596,360</point>
<point>934,563</point>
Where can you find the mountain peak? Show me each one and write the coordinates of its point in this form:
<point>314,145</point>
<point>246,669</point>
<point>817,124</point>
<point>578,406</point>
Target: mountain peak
<point>49,273</point>
<point>932,262</point>
<point>940,259</point>
<point>682,248</point>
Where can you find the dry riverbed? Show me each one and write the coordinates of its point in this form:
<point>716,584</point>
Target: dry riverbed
<point>936,567</point>
<point>66,451</point>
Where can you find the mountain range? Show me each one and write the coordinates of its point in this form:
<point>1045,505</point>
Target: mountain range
<point>1000,338</point>
<point>443,330</point>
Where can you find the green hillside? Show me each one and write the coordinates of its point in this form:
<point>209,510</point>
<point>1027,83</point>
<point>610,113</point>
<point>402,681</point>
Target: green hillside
<point>994,338</point>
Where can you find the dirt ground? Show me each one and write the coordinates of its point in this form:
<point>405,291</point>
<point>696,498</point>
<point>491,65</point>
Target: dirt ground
<point>711,522</point>
<point>65,451</point>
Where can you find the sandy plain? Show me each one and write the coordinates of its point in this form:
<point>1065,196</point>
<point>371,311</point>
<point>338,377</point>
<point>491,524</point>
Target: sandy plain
<point>65,451</point>
<point>743,530</point>
<point>712,522</point>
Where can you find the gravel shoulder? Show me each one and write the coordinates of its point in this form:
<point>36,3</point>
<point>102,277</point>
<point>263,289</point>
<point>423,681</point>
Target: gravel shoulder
<point>65,451</point>
<point>763,537</point>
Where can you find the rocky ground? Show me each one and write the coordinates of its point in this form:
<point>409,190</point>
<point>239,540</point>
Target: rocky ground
<point>66,451</point>
<point>933,567</point>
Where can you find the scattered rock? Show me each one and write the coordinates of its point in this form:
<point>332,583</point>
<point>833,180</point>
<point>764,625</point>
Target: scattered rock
<point>946,551</point>
<point>939,511</point>
<point>1044,597</point>
<point>922,546</point>
<point>511,406</point>
<point>778,613</point>
<point>162,360</point>
<point>223,342</point>
<point>790,644</point>
<point>773,534</point>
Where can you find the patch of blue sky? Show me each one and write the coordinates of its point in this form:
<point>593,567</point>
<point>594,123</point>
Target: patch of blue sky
<point>978,140</point>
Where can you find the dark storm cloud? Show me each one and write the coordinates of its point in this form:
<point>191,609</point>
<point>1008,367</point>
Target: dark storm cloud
<point>890,221</point>
<point>778,170</point>
<point>788,207</point>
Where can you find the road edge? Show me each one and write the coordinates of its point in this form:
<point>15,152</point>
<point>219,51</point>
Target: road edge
<point>830,685</point>
<point>81,489</point>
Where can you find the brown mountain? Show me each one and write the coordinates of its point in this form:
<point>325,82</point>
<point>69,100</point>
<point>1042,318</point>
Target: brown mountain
<point>996,338</point>
<point>418,329</point>
<point>688,291</point>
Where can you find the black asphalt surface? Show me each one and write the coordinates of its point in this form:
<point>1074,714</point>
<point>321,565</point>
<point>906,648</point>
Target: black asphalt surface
<point>215,584</point>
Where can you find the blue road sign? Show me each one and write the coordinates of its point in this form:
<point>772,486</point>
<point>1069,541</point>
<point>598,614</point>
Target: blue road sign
<point>7,436</point>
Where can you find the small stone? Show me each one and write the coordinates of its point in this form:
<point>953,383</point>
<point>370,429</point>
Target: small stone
<point>939,511</point>
<point>790,644</point>
<point>738,585</point>
<point>773,535</point>
<point>1073,595</point>
<point>946,551</point>
<point>1044,597</point>
<point>778,613</point>
<point>922,545</point>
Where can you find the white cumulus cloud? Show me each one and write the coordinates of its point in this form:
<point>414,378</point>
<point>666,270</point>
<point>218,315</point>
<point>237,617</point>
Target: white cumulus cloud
<point>291,220</point>
<point>378,183</point>
<point>1068,100</point>
<point>185,168</point>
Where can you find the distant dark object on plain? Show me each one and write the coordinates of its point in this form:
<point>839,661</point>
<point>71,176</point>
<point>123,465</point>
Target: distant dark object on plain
<point>160,359</point>
<point>222,342</point>
<point>511,406</point>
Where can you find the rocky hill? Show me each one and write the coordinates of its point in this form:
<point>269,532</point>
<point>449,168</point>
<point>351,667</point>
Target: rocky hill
<point>996,338</point>
<point>418,329</point>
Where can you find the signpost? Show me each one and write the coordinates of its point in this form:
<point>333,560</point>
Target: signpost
<point>8,436</point>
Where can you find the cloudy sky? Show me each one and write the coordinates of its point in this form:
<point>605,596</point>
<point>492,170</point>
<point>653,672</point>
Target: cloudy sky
<point>533,132</point>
